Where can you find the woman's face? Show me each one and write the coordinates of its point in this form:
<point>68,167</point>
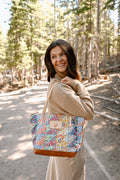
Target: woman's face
<point>59,59</point>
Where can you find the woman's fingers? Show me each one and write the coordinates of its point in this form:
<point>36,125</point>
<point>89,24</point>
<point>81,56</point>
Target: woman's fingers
<point>67,80</point>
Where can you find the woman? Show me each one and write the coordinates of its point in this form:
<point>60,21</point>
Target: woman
<point>68,97</point>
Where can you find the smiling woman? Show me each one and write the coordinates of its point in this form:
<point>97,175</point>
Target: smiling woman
<point>68,97</point>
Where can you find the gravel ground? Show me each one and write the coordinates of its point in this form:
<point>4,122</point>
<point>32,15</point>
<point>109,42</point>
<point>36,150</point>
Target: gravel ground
<point>102,145</point>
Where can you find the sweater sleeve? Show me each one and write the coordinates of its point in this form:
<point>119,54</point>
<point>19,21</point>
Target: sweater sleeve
<point>74,99</point>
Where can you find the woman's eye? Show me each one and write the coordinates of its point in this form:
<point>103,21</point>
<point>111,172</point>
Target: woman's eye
<point>62,54</point>
<point>53,57</point>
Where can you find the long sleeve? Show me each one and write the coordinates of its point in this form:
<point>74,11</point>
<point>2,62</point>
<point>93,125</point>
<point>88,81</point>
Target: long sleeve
<point>74,100</point>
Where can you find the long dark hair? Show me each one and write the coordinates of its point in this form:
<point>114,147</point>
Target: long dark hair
<point>72,62</point>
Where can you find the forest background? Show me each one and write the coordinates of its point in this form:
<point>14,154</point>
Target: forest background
<point>34,24</point>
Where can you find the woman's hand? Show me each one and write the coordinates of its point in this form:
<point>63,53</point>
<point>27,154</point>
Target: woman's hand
<point>67,80</point>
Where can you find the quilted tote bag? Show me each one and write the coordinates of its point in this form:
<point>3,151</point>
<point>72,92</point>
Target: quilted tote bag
<point>56,135</point>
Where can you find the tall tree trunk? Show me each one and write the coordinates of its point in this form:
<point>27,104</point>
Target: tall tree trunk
<point>105,39</point>
<point>89,42</point>
<point>89,60</point>
<point>118,42</point>
<point>98,16</point>
<point>55,20</point>
<point>77,37</point>
<point>39,68</point>
<point>32,71</point>
<point>83,55</point>
<point>97,59</point>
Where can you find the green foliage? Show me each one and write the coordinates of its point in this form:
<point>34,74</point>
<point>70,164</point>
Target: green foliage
<point>110,4</point>
<point>35,24</point>
<point>24,24</point>
<point>24,60</point>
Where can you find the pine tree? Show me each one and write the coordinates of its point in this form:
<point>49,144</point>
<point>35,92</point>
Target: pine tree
<point>118,39</point>
<point>2,51</point>
<point>24,25</point>
<point>18,29</point>
<point>35,24</point>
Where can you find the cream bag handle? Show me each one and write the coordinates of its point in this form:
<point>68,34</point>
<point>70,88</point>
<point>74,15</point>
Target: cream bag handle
<point>45,106</point>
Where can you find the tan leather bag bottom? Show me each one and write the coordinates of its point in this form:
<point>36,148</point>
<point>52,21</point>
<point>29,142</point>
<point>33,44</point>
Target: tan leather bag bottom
<point>54,153</point>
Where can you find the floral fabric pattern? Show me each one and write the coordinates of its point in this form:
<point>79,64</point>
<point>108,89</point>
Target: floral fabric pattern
<point>67,138</point>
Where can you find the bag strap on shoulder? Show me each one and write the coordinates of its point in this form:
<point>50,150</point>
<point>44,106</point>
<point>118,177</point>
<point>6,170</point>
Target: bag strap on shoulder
<point>50,91</point>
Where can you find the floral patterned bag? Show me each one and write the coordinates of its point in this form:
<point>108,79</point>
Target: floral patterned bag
<point>56,135</point>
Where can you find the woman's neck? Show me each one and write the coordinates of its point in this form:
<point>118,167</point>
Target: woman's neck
<point>61,74</point>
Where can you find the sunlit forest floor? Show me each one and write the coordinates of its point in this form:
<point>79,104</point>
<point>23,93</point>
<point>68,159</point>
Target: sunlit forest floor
<point>101,135</point>
<point>105,93</point>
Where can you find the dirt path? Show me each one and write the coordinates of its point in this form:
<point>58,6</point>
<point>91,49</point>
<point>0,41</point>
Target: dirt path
<point>102,134</point>
<point>17,161</point>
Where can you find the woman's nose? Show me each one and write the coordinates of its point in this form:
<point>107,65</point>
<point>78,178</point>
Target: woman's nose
<point>59,58</point>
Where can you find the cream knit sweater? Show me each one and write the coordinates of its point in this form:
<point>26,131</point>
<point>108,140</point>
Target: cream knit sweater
<point>70,100</point>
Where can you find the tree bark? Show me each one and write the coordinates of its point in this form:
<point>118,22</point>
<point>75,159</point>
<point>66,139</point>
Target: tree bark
<point>89,60</point>
<point>55,20</point>
<point>97,59</point>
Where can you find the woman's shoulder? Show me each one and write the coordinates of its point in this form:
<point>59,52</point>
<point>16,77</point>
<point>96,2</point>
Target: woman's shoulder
<point>52,82</point>
<point>61,90</point>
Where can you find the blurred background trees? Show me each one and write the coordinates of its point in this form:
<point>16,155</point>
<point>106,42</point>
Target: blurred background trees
<point>34,24</point>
